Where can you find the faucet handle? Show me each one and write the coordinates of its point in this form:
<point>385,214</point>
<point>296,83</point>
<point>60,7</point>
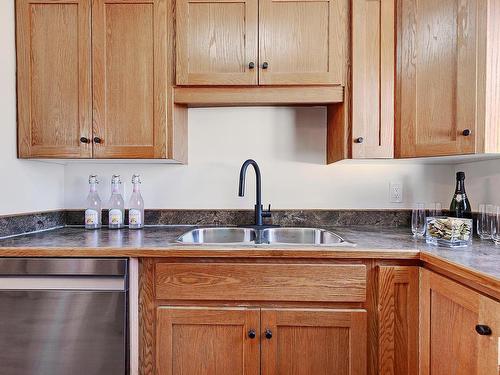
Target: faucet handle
<point>268,212</point>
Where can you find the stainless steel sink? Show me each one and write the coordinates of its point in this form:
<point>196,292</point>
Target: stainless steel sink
<point>302,236</point>
<point>219,235</point>
<point>269,236</point>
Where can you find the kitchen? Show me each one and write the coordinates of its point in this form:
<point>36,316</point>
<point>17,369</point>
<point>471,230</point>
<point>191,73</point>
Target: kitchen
<point>348,139</point>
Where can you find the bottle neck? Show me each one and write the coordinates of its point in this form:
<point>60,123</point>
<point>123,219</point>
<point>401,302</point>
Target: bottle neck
<point>93,188</point>
<point>460,188</point>
<point>115,189</point>
<point>136,188</point>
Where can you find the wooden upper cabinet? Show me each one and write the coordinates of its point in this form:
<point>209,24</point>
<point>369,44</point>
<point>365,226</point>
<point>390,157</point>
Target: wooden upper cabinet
<point>373,56</point>
<point>216,42</point>
<point>53,78</point>
<point>129,78</point>
<point>313,341</point>
<point>302,42</point>
<point>221,341</point>
<point>451,317</point>
<point>448,97</point>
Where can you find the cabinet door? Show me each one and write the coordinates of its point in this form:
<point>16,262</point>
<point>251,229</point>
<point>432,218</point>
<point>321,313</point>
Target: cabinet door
<point>129,78</point>
<point>216,42</point>
<point>319,342</point>
<point>450,314</point>
<point>212,341</point>
<point>437,72</point>
<point>53,78</point>
<point>302,41</point>
<point>398,320</point>
<point>373,69</point>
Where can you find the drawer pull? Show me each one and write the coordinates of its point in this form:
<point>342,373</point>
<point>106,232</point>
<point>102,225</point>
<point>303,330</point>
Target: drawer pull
<point>268,333</point>
<point>252,334</point>
<point>483,330</point>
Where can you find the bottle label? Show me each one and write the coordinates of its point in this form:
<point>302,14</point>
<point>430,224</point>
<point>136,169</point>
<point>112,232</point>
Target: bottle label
<point>115,217</point>
<point>91,217</point>
<point>134,217</point>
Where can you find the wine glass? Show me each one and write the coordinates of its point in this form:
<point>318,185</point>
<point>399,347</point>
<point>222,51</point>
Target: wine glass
<point>437,209</point>
<point>495,225</point>
<point>484,224</point>
<point>418,220</point>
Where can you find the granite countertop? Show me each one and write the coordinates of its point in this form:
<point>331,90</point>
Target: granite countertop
<point>374,242</point>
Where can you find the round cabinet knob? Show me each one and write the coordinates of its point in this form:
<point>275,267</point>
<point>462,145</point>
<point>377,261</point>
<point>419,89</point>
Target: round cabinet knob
<point>466,132</point>
<point>252,334</point>
<point>268,333</point>
<point>97,140</point>
<point>251,65</point>
<point>84,140</point>
<point>265,65</point>
<point>359,140</point>
<point>483,330</point>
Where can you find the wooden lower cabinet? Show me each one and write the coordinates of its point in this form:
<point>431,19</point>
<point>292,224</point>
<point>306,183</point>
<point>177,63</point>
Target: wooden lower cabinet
<point>459,329</point>
<point>246,341</point>
<point>398,320</point>
<point>194,340</point>
<point>319,341</point>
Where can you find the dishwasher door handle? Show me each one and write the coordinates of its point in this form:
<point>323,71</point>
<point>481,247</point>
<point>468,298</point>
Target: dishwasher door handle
<point>90,283</point>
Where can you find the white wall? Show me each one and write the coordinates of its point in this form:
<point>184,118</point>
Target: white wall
<point>26,185</point>
<point>289,145</point>
<point>482,182</point>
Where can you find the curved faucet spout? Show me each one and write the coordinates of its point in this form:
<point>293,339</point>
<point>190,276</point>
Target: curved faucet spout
<point>259,212</point>
<point>243,172</point>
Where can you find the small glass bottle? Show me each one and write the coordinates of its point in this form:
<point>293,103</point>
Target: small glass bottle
<point>136,205</point>
<point>93,213</point>
<point>116,204</point>
<point>460,205</point>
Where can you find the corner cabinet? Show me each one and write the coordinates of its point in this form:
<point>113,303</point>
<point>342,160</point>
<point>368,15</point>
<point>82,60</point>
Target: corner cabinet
<point>460,329</point>
<point>93,81</point>
<point>448,83</point>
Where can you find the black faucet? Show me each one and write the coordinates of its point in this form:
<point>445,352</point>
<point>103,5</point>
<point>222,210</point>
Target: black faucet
<point>259,212</point>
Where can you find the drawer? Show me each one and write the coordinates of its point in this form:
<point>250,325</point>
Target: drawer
<point>261,282</point>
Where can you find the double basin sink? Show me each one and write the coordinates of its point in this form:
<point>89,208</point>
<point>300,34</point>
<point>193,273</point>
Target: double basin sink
<point>267,236</point>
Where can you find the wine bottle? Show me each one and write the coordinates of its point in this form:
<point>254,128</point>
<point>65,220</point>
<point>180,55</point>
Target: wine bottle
<point>460,205</point>
<point>116,204</point>
<point>93,213</point>
<point>136,205</point>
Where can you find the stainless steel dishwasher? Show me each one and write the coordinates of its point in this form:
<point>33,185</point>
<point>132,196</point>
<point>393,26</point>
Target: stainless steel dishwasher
<point>63,316</point>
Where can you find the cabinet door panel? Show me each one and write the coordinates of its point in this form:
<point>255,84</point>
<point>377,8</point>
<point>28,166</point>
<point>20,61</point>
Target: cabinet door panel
<point>216,42</point>
<point>373,72</point>
<point>398,320</point>
<point>54,92</point>
<point>302,41</point>
<point>314,342</point>
<point>449,343</point>
<point>212,341</point>
<point>436,77</point>
<point>129,78</point>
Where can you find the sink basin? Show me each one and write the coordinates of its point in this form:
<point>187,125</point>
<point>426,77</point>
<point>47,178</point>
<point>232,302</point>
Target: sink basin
<point>227,236</point>
<point>302,236</point>
<point>268,236</point>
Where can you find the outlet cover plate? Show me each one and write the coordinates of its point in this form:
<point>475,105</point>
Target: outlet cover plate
<point>396,192</point>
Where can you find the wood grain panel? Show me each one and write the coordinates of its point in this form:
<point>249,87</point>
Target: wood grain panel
<point>212,96</point>
<point>53,78</point>
<point>265,282</point>
<point>398,320</point>
<point>207,341</point>
<point>436,77</point>
<point>129,78</point>
<point>314,342</point>
<point>147,317</point>
<point>302,41</point>
<point>449,342</point>
<point>216,41</point>
<point>373,70</point>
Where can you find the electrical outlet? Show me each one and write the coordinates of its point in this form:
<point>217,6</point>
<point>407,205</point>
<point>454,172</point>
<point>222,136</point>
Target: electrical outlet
<point>396,192</point>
